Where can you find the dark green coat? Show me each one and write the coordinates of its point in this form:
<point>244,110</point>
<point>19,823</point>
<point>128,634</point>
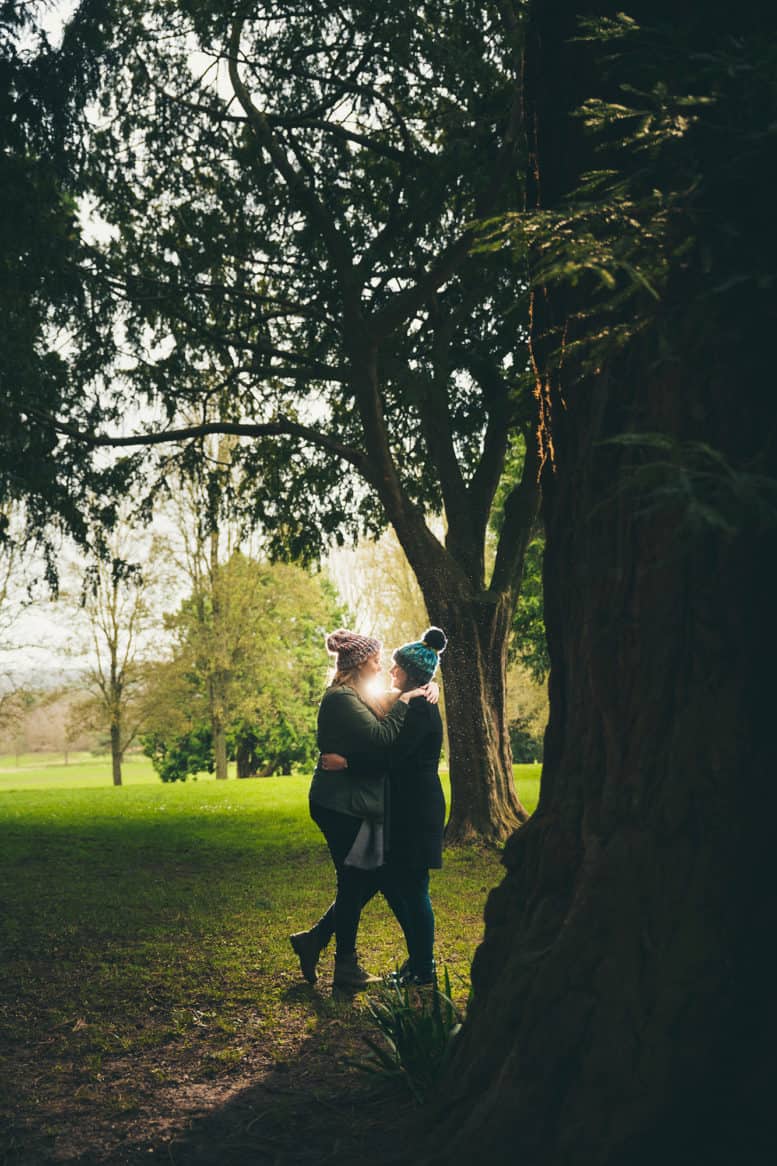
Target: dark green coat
<point>348,726</point>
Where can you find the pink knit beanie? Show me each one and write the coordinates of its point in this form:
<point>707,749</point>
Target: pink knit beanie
<point>351,649</point>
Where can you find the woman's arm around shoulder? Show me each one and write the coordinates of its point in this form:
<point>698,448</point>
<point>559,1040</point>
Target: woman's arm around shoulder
<point>357,727</point>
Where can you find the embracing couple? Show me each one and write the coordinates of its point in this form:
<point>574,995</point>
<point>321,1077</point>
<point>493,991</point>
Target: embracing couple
<point>377,799</point>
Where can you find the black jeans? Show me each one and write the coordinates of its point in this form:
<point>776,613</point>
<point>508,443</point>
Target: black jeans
<point>355,887</point>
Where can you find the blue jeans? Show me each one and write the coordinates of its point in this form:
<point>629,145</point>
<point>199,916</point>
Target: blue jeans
<point>411,887</point>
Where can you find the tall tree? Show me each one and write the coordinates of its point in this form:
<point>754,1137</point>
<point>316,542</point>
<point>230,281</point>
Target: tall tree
<point>291,193</point>
<point>116,606</point>
<point>207,539</point>
<point>623,995</point>
<point>259,629</point>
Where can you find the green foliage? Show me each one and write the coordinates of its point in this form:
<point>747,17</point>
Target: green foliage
<point>417,1028</point>
<point>669,244</point>
<point>527,747</point>
<point>249,651</point>
<point>527,712</point>
<point>176,757</point>
<point>528,642</point>
<point>54,327</point>
<point>675,151</point>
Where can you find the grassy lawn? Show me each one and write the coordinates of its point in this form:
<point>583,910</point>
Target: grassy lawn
<point>82,771</point>
<point>147,977</point>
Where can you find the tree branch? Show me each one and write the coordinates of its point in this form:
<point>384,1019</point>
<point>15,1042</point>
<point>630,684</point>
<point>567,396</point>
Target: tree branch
<point>281,428</point>
<point>436,419</point>
<point>485,480</point>
<point>520,512</point>
<point>339,131</point>
<point>338,246</point>
<point>407,302</point>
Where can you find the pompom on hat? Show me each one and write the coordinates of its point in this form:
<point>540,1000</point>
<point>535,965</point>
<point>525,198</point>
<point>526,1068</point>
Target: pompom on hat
<point>421,657</point>
<point>351,649</point>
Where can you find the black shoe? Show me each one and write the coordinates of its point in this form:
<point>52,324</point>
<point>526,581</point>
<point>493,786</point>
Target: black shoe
<point>429,978</point>
<point>350,975</point>
<point>399,977</point>
<point>308,948</point>
<point>421,981</point>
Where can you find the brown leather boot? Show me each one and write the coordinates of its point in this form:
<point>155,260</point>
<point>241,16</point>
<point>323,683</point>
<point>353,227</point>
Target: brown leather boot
<point>350,976</point>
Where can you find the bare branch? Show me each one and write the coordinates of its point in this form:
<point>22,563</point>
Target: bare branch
<point>485,480</point>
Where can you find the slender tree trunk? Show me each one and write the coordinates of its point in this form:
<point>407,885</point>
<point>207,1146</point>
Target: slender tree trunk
<point>219,747</point>
<point>623,1010</point>
<point>116,753</point>
<point>216,694</point>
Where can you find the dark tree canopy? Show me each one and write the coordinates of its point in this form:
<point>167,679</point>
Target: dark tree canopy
<point>54,335</point>
<point>295,198</point>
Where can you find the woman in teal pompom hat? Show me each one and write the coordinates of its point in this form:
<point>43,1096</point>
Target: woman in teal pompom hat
<point>417,804</point>
<point>420,658</point>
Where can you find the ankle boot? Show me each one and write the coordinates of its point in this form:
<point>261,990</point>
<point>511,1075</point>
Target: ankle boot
<point>308,947</point>
<point>350,975</point>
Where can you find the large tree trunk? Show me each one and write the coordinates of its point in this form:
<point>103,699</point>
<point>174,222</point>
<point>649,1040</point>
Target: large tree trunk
<point>623,1009</point>
<point>621,996</point>
<point>484,803</point>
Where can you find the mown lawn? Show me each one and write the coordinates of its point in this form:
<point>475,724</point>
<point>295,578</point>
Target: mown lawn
<point>81,771</point>
<point>146,976</point>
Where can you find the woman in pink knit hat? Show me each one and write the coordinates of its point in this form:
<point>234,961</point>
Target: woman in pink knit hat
<point>349,810</point>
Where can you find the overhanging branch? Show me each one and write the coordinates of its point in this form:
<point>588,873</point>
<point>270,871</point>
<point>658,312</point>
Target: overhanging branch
<point>281,428</point>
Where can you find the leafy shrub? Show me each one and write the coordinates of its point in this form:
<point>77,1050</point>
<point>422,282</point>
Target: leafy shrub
<point>525,743</point>
<point>176,757</point>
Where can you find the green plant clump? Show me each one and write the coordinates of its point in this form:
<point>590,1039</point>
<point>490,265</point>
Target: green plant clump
<point>418,1030</point>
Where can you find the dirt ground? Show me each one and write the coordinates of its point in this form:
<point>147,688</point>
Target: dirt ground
<point>312,1106</point>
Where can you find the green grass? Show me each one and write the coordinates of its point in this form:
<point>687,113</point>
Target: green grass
<point>82,771</point>
<point>144,934</point>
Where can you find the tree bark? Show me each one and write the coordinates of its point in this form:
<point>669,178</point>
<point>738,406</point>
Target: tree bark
<point>116,753</point>
<point>623,1009</point>
<point>246,761</point>
<point>219,747</point>
<point>217,702</point>
<point>484,802</point>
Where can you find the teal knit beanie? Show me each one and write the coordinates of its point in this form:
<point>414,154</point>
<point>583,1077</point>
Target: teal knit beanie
<point>420,658</point>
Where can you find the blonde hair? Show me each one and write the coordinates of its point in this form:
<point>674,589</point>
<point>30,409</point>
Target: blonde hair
<point>350,678</point>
